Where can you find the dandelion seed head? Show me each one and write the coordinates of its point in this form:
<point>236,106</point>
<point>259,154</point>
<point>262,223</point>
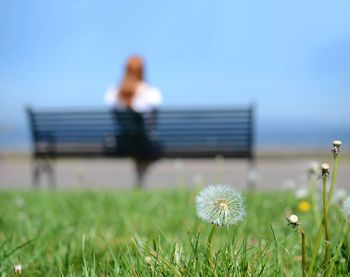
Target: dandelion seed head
<point>336,149</point>
<point>314,168</point>
<point>148,259</point>
<point>346,207</point>
<point>220,205</point>
<point>337,142</point>
<point>301,193</point>
<point>17,269</point>
<point>325,171</point>
<point>293,219</point>
<point>339,195</point>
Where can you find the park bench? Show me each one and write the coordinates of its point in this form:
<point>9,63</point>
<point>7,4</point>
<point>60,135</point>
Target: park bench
<point>183,133</point>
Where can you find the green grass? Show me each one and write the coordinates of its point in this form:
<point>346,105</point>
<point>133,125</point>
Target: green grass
<point>154,233</point>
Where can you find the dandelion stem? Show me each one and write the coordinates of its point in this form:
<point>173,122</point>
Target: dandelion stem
<point>337,252</point>
<point>303,252</point>
<point>209,240</point>
<point>336,158</point>
<point>317,245</point>
<point>325,219</point>
<point>313,200</point>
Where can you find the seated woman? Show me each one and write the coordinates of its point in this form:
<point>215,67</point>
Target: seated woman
<point>136,104</point>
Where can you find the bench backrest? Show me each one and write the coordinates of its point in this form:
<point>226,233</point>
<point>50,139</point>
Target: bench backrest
<point>185,133</point>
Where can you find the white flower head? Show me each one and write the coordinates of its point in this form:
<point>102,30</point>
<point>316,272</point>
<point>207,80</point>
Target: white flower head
<point>301,193</point>
<point>17,269</point>
<point>346,207</point>
<point>314,168</point>
<point>337,143</point>
<point>293,219</point>
<point>220,205</point>
<point>148,259</point>
<point>336,147</point>
<point>339,195</point>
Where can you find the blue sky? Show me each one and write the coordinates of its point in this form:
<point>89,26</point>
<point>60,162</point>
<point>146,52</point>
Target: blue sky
<point>291,58</point>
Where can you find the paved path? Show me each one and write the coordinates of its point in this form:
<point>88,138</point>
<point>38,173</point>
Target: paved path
<point>105,173</point>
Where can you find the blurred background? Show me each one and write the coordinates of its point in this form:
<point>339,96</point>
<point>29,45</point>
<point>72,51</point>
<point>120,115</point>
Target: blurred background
<point>291,59</point>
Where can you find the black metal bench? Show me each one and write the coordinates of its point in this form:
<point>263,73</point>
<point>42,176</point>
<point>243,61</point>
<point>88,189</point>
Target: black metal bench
<point>184,133</point>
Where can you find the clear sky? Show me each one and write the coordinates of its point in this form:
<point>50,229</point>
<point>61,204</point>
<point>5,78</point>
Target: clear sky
<point>291,58</point>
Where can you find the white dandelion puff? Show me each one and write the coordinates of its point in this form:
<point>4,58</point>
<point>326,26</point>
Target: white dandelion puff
<point>301,193</point>
<point>346,207</point>
<point>337,143</point>
<point>339,195</point>
<point>220,205</point>
<point>336,147</point>
<point>148,259</point>
<point>314,169</point>
<point>17,269</point>
<point>293,219</point>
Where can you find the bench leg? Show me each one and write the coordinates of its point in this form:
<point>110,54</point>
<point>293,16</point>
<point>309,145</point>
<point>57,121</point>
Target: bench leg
<point>42,165</point>
<point>35,172</point>
<point>49,168</point>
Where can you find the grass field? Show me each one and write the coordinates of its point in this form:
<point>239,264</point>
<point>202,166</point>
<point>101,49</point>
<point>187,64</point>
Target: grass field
<point>154,233</point>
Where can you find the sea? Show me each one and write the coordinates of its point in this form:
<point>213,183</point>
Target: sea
<point>266,136</point>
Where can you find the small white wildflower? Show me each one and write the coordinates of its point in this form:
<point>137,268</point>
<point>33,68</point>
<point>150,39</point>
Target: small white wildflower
<point>17,269</point>
<point>148,259</point>
<point>301,193</point>
<point>346,207</point>
<point>339,195</point>
<point>220,205</point>
<point>314,168</point>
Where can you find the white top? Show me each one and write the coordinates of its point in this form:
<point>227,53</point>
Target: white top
<point>146,98</point>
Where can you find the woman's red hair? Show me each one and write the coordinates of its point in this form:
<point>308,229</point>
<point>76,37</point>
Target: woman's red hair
<point>133,76</point>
